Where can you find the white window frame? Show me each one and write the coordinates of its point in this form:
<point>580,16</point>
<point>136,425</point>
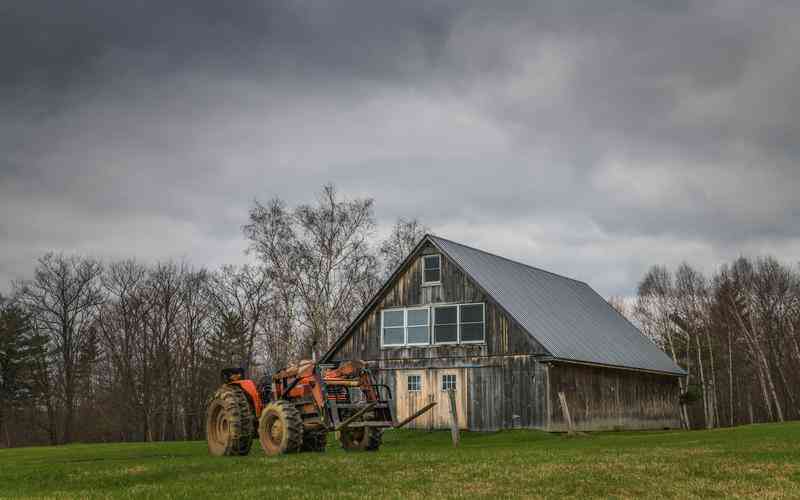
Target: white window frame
<point>439,259</point>
<point>405,334</point>
<point>433,324</point>
<point>483,324</point>
<point>419,385</point>
<point>431,310</point>
<point>406,325</point>
<point>455,381</point>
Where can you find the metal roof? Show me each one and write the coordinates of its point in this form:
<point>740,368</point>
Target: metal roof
<point>571,320</point>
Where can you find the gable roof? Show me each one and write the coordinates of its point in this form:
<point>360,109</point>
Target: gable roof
<point>571,321</point>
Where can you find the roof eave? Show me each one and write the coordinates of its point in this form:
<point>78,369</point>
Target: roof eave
<point>554,359</point>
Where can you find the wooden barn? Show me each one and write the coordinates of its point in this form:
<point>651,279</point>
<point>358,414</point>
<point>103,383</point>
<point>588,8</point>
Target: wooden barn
<point>508,338</point>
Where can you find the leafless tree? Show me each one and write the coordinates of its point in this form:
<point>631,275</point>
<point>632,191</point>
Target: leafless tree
<point>405,235</point>
<point>323,252</point>
<point>63,299</point>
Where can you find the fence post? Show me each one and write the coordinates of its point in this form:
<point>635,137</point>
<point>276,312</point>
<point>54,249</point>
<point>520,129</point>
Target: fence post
<point>455,433</point>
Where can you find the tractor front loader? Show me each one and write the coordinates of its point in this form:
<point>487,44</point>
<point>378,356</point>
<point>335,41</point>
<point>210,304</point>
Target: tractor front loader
<point>295,409</point>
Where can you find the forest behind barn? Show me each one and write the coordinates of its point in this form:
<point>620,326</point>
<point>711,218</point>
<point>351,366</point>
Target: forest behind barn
<point>130,351</point>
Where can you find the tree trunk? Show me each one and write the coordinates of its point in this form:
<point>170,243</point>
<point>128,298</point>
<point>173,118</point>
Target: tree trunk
<point>730,373</point>
<point>764,393</point>
<point>681,384</point>
<point>703,384</point>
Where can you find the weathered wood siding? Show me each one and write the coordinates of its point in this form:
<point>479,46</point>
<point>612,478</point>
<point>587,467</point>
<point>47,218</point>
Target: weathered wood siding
<point>609,399</point>
<point>499,392</point>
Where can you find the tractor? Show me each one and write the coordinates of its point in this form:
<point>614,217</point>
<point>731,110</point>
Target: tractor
<point>297,407</point>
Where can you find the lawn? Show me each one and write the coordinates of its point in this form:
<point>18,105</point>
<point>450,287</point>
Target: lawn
<point>753,461</point>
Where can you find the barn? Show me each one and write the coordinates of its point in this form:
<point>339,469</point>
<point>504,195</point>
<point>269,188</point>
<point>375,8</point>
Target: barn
<point>508,338</point>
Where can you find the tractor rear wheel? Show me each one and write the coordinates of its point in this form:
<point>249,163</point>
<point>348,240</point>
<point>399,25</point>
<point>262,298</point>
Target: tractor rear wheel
<point>315,441</point>
<point>229,422</point>
<point>281,428</point>
<point>361,439</point>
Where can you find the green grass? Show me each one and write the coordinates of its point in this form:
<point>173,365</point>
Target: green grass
<point>753,461</point>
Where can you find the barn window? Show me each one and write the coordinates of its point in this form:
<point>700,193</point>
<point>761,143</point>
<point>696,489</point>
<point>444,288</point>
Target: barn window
<point>414,383</point>
<point>417,326</point>
<point>445,324</point>
<point>448,382</point>
<point>431,269</point>
<point>393,326</point>
<point>471,322</point>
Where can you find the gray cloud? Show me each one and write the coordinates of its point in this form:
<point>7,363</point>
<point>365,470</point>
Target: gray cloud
<point>590,139</point>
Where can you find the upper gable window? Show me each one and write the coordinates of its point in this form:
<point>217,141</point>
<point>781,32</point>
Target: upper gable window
<point>431,269</point>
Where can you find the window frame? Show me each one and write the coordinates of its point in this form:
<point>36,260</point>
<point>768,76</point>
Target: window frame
<point>406,325</point>
<point>383,327</point>
<point>431,309</point>
<point>455,382</point>
<point>439,260</point>
<point>419,383</point>
<point>457,323</point>
<point>482,323</point>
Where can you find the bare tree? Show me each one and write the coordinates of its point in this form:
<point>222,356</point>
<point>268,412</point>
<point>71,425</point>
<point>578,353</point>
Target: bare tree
<point>323,252</point>
<point>240,298</point>
<point>405,235</point>
<point>63,298</point>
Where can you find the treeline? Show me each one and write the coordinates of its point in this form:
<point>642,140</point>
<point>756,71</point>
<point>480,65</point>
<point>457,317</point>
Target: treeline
<point>737,334</point>
<point>128,351</point>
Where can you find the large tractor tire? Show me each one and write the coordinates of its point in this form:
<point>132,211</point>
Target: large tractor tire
<point>314,441</point>
<point>229,422</point>
<point>361,439</point>
<point>280,429</point>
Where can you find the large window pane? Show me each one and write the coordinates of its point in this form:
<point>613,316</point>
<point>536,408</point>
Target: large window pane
<point>472,313</point>
<point>445,333</point>
<point>418,334</point>
<point>417,317</point>
<point>472,332</point>
<point>446,315</point>
<point>392,318</point>
<point>392,336</point>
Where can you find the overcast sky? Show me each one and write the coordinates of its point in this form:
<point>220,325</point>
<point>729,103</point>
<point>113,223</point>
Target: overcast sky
<point>591,141</point>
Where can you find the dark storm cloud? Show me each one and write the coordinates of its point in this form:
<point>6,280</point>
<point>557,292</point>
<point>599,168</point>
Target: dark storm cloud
<point>594,138</point>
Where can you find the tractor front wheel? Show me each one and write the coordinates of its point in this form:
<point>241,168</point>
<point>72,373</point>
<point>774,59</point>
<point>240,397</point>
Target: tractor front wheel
<point>361,439</point>
<point>229,422</point>
<point>280,429</point>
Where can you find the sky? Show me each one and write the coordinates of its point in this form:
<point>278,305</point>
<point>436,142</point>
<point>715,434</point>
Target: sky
<point>592,139</point>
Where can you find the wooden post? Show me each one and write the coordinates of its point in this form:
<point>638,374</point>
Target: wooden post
<point>565,410</point>
<point>455,433</point>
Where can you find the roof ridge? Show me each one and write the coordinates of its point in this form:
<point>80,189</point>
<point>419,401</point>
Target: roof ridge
<point>509,260</point>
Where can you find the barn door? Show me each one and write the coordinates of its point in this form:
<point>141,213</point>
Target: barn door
<point>439,382</point>
<point>412,394</point>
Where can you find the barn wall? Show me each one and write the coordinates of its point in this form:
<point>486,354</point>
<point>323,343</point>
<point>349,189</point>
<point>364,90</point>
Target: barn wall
<point>610,399</point>
<point>493,393</point>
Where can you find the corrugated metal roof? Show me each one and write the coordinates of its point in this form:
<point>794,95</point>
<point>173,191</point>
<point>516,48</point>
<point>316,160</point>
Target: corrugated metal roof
<point>570,319</point>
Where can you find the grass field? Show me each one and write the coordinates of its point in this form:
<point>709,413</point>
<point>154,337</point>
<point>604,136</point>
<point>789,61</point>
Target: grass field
<point>755,461</point>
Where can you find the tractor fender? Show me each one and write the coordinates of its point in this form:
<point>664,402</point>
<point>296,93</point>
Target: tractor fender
<point>250,390</point>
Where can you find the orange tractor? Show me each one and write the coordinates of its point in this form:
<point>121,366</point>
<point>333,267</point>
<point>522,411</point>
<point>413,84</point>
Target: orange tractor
<point>295,409</point>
